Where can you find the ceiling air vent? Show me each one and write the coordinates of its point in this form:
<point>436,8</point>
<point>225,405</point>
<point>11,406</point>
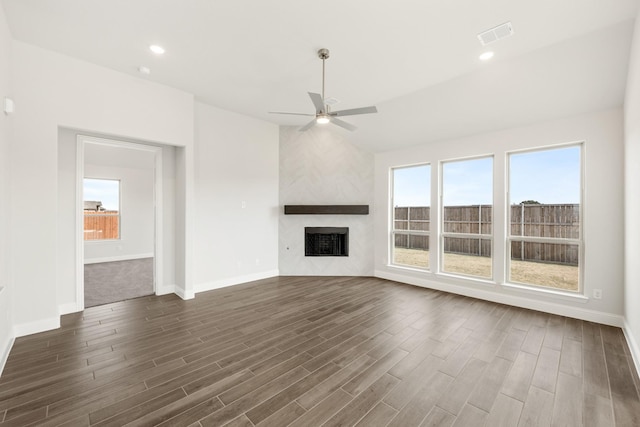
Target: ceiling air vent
<point>496,33</point>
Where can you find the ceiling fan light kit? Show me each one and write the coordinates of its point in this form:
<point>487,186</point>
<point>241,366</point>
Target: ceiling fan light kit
<point>323,119</point>
<point>323,114</point>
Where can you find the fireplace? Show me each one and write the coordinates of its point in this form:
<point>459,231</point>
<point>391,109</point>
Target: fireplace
<point>326,241</point>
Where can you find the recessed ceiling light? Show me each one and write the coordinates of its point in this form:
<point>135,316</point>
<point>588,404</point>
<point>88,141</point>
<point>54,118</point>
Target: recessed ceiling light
<point>486,56</point>
<point>157,49</point>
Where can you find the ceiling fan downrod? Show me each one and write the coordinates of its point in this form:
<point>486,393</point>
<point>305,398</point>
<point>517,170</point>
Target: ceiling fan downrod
<point>323,54</point>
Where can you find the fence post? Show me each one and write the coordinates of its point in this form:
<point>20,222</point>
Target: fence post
<point>479,229</point>
<point>408,227</point>
<point>521,232</point>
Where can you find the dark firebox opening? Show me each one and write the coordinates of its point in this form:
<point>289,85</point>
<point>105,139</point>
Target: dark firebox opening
<point>326,241</point>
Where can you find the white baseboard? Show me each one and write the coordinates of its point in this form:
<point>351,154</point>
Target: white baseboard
<point>185,295</point>
<point>175,289</point>
<point>633,345</point>
<point>231,281</point>
<point>517,301</point>
<point>165,290</point>
<point>117,258</point>
<point>4,352</point>
<point>70,307</point>
<point>38,326</point>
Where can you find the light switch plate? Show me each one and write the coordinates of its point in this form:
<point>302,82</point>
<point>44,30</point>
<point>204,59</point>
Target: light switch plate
<point>8,106</point>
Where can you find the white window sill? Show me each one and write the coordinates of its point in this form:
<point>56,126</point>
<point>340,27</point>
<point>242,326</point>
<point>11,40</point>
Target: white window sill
<point>534,290</point>
<point>469,280</point>
<point>409,268</point>
<point>462,278</point>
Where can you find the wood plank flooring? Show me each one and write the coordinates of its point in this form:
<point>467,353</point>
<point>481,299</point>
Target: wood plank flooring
<point>311,351</point>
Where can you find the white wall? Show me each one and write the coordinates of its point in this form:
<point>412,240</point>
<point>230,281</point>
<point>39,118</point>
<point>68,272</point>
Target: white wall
<point>602,215</point>
<point>67,205</point>
<point>320,167</point>
<point>52,91</point>
<point>6,303</point>
<point>632,198</point>
<point>236,199</point>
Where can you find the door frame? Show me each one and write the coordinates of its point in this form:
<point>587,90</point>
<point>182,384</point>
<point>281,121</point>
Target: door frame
<point>81,140</point>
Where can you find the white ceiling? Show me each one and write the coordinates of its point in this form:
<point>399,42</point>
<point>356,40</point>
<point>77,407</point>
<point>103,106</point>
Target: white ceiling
<point>417,60</point>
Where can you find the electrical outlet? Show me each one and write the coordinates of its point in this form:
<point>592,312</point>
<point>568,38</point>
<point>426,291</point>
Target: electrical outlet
<point>597,294</point>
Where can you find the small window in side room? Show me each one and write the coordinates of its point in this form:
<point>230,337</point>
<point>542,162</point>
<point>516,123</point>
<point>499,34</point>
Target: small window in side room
<point>545,214</point>
<point>467,217</point>
<point>101,199</point>
<point>411,213</point>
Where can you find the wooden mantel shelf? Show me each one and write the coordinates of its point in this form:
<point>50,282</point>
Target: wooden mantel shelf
<point>326,209</point>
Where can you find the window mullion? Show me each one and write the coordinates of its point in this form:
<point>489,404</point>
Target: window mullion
<point>544,239</point>
<point>468,235</point>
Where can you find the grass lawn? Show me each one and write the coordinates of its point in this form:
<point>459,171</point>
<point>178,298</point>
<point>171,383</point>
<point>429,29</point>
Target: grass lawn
<point>555,276</point>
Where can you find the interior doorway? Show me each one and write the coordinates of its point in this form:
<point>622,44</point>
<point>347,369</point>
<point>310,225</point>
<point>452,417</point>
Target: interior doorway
<point>119,225</point>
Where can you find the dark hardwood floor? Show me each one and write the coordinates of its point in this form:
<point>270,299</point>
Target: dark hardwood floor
<point>308,351</point>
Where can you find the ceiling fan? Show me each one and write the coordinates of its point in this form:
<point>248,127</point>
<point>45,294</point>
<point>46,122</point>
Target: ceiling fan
<point>323,113</point>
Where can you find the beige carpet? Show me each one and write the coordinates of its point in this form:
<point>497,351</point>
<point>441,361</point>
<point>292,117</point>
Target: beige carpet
<point>108,282</point>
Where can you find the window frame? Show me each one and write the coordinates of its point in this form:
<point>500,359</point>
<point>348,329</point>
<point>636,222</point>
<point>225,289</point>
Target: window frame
<point>119,216</point>
<point>393,232</point>
<point>579,242</point>
<point>442,235</point>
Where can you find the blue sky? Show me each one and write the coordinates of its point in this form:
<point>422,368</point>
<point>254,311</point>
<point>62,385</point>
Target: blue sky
<point>411,186</point>
<point>467,182</point>
<point>103,190</point>
<point>549,176</point>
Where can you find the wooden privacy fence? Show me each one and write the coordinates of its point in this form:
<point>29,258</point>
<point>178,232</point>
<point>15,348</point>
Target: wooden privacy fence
<point>535,220</point>
<point>101,225</point>
<point>417,218</point>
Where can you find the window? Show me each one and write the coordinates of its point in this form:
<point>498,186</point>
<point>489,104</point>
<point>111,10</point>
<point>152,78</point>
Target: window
<point>101,199</point>
<point>467,213</point>
<point>411,216</point>
<point>545,217</point>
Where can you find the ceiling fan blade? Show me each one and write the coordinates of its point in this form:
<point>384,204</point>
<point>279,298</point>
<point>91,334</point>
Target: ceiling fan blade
<point>291,114</point>
<point>316,98</point>
<point>354,111</point>
<point>343,124</point>
<point>307,126</point>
